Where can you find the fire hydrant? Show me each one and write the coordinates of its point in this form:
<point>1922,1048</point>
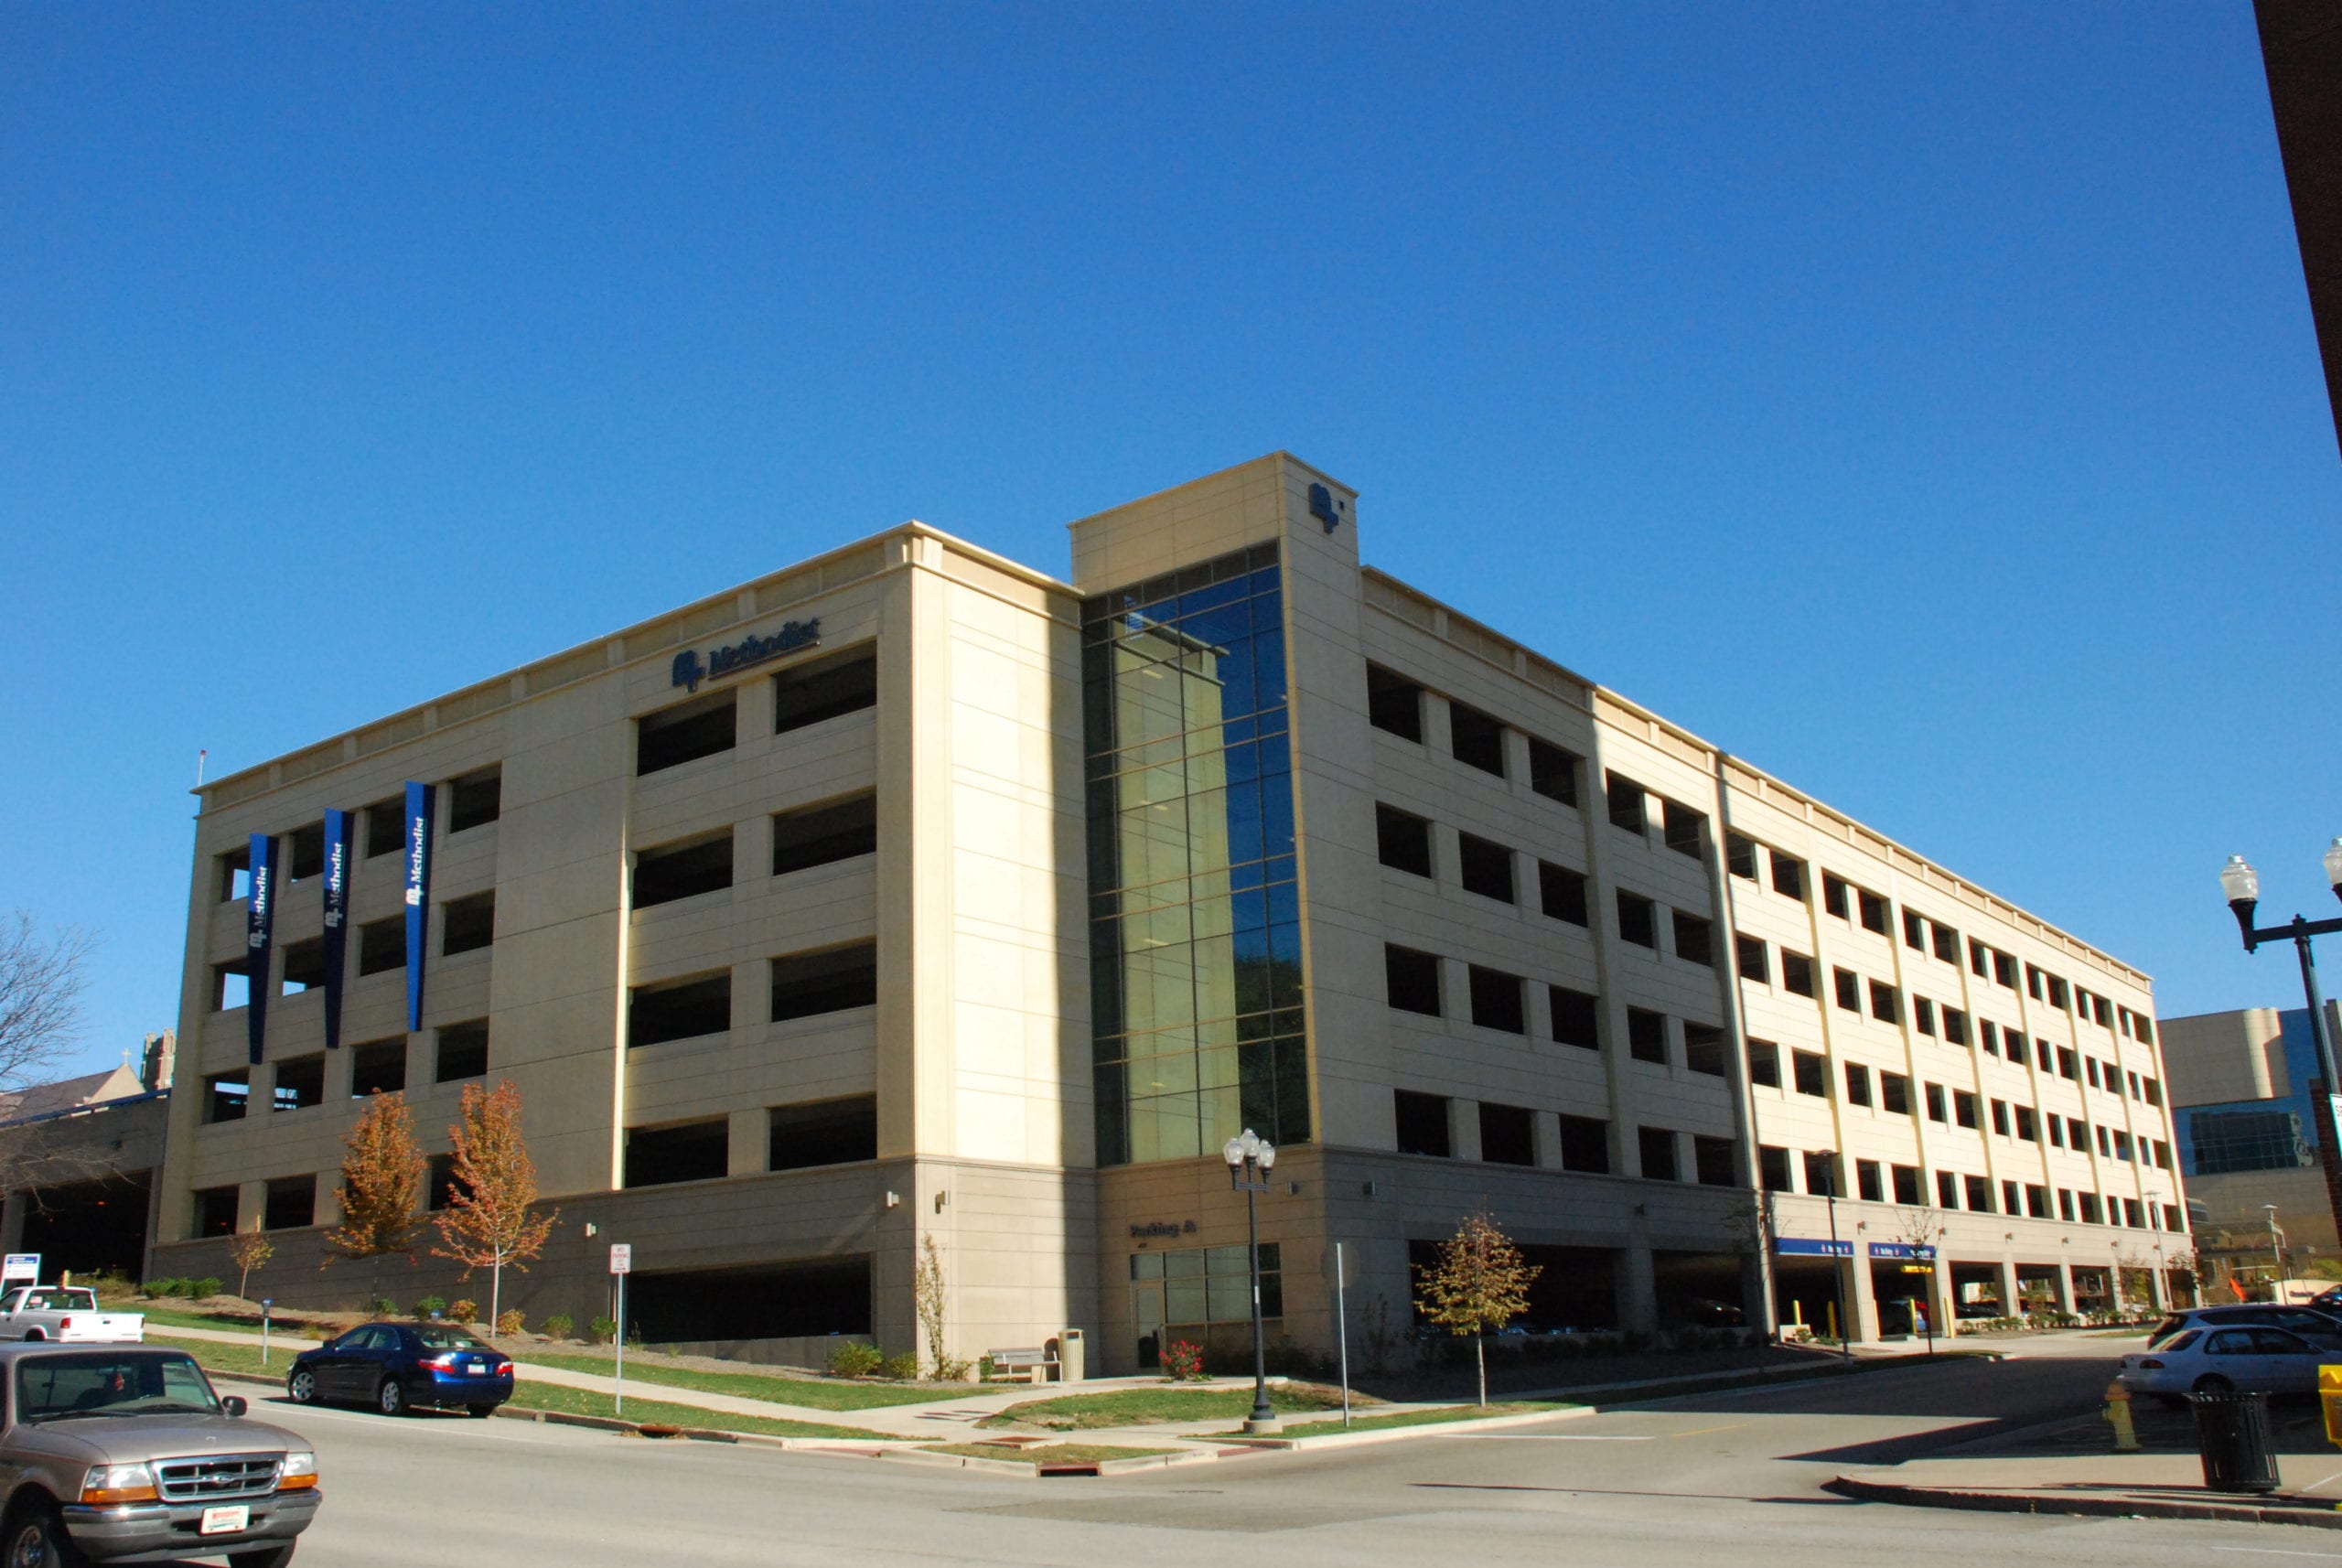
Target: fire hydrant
<point>2118,1412</point>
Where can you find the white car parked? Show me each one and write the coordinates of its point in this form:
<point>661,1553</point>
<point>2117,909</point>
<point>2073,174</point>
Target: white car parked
<point>2242,1358</point>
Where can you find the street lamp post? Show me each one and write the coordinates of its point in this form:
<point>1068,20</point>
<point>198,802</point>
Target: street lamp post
<point>1837,1264</point>
<point>2277,1251</point>
<point>2241,885</point>
<point>1250,1159</point>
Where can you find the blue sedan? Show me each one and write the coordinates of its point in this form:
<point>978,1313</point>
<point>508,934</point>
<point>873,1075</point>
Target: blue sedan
<point>395,1366</point>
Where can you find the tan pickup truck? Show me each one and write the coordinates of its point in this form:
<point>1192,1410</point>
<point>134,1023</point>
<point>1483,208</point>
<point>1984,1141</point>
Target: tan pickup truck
<point>123,1454</point>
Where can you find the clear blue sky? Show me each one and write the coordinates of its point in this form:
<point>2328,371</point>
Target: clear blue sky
<point>1919,402</point>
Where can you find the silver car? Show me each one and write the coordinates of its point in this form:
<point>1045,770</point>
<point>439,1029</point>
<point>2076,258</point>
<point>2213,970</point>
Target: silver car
<point>2242,1357</point>
<point>123,1454</point>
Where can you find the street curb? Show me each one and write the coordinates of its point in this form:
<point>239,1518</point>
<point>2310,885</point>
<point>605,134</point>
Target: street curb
<point>1419,1429</point>
<point>2317,1518</point>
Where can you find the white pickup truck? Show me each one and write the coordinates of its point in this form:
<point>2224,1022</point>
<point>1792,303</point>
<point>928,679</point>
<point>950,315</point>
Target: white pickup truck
<point>68,1314</point>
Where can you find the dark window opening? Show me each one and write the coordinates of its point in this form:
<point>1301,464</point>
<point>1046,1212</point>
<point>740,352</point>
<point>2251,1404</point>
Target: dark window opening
<point>1789,876</point>
<point>305,853</point>
<point>1475,738</point>
<point>1562,893</point>
<point>463,1051</point>
<point>381,945</point>
<point>807,985</point>
<point>1711,1162</point>
<point>825,689</point>
<point>818,836</point>
<point>386,827</point>
<point>215,1211</point>
<point>1874,910</point>
<point>1625,797</point>
<point>1947,943</point>
<point>668,871</point>
<point>439,1182</point>
<point>1955,1026</point>
<point>1773,1169</point>
<point>1934,1094</point>
<point>1553,772</point>
<point>1507,1136</point>
<point>1810,1072</point>
<point>1647,1036</point>
<point>474,799</point>
<point>1947,1190</point>
<point>1886,1002</point>
<point>1848,988</point>
<point>1685,828</point>
<point>695,1151</point>
<point>1410,979</point>
<point>1496,1001</point>
<point>235,873</point>
<point>377,1067</point>
<point>679,1009</point>
<point>304,965</point>
<point>1857,1084</point>
<point>1895,1093</point>
<point>467,925</point>
<point>1914,933</point>
<point>686,731</point>
<point>1834,897</point>
<point>1703,1048</point>
<point>291,1202</point>
<point>1764,1063</point>
<point>1797,972</point>
<point>1485,867</point>
<point>1423,1122</point>
<point>1748,953</point>
<point>1576,1017</point>
<point>824,1132</point>
<point>300,1083</point>
<point>1822,1174</point>
<point>1740,855</point>
<point>1906,1183</point>
<point>1403,839</point>
<point>1585,1144</point>
<point>226,1096</point>
<point>1869,1183</point>
<point>1694,940</point>
<point>1980,1194</point>
<point>1638,921</point>
<point>1657,1147</point>
<point>1394,704</point>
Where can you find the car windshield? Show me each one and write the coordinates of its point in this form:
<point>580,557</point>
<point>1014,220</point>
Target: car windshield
<point>2179,1341</point>
<point>94,1383</point>
<point>437,1338</point>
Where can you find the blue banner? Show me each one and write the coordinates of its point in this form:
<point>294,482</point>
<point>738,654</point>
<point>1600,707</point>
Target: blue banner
<point>418,895</point>
<point>1908,1252</point>
<point>1797,1247</point>
<point>337,859</point>
<point>259,934</point>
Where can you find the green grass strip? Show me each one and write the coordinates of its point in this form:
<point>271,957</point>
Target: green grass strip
<point>1440,1417</point>
<point>1045,1454</point>
<point>1149,1406</point>
<point>811,1393</point>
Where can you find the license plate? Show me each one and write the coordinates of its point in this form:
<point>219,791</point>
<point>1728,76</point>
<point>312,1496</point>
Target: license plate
<point>478,1368</point>
<point>227,1520</point>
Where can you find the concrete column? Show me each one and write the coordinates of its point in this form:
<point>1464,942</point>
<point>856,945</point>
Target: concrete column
<point>1942,1310</point>
<point>1546,1130</point>
<point>748,1142</point>
<point>1637,1288</point>
<point>2065,1285</point>
<point>252,1204</point>
<point>2012,1306</point>
<point>1862,1301</point>
<point>2159,1283</point>
<point>1464,1129</point>
<point>12,1222</point>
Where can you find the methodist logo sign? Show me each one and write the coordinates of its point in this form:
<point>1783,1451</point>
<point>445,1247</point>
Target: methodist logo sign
<point>1798,1247</point>
<point>260,929</point>
<point>1903,1251</point>
<point>690,669</point>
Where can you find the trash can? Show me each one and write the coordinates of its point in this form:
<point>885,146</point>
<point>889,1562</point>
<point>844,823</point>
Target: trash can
<point>1072,1353</point>
<point>2232,1431</point>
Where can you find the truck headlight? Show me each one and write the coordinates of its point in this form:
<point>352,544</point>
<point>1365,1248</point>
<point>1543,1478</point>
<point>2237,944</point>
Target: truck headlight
<point>107,1484</point>
<point>298,1472</point>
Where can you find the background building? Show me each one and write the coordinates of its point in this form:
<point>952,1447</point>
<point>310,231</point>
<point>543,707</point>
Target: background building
<point>78,1161</point>
<point>910,892</point>
<point>2244,1084</point>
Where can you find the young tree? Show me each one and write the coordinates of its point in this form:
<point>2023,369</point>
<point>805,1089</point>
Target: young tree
<point>248,1251</point>
<point>487,1222</point>
<point>381,1186</point>
<point>928,1291</point>
<point>1479,1282</point>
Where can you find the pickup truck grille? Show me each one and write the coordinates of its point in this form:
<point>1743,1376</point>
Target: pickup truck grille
<point>225,1478</point>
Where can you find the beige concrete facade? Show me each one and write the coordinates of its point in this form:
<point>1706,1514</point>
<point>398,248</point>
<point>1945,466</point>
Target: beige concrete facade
<point>978,1048</point>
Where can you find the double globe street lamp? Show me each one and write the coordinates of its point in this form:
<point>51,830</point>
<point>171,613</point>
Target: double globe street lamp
<point>1250,1159</point>
<point>2241,885</point>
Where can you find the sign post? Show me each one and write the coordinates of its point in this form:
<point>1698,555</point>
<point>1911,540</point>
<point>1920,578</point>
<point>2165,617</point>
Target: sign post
<point>25,1266</point>
<point>621,1264</point>
<point>1342,1330</point>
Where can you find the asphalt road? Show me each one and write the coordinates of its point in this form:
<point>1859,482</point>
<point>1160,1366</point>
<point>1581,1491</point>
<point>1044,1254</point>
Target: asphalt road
<point>1701,1481</point>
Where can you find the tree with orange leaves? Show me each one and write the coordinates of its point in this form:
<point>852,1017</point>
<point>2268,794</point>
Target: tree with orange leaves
<point>381,1186</point>
<point>490,1219</point>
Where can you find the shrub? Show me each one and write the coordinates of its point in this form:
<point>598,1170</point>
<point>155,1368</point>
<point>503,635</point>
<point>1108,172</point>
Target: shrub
<point>462,1311</point>
<point>383,1307</point>
<point>853,1358</point>
<point>431,1306</point>
<point>510,1321</point>
<point>903,1368</point>
<point>206,1287</point>
<point>558,1325</point>
<point>1182,1362</point>
<point>604,1329</point>
<point>157,1289</point>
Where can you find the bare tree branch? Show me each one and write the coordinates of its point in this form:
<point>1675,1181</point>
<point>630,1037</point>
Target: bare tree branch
<point>40,998</point>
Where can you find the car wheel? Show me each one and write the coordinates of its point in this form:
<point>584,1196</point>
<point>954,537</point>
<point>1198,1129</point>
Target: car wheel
<point>302,1385</point>
<point>37,1540</point>
<point>482,1411</point>
<point>2213,1383</point>
<point>266,1557</point>
<point>391,1397</point>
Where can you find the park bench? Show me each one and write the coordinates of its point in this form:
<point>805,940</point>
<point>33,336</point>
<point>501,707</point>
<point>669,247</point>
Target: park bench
<point>1029,1364</point>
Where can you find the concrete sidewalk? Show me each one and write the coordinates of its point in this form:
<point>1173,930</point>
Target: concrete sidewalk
<point>2128,1486</point>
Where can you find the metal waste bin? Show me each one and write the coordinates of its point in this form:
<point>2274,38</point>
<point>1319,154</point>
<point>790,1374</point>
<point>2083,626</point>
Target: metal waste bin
<point>2232,1431</point>
<point>1072,1357</point>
